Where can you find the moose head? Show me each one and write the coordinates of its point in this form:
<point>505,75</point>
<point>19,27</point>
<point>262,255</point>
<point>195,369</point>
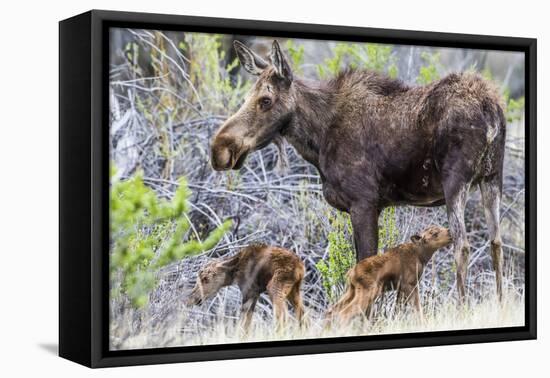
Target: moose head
<point>211,278</point>
<point>433,237</point>
<point>267,108</point>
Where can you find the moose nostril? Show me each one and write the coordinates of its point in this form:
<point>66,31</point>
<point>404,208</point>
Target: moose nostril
<point>221,158</point>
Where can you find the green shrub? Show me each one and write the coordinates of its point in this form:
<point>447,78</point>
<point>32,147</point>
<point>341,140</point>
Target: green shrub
<point>370,56</point>
<point>341,255</point>
<point>430,72</point>
<point>515,107</point>
<point>148,233</point>
<point>388,233</point>
<point>296,53</point>
<point>210,75</point>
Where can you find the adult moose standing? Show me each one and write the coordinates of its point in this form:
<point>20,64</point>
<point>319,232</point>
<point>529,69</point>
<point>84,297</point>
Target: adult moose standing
<point>378,142</point>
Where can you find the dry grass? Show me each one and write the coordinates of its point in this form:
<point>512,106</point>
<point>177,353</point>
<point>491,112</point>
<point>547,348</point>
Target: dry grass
<point>489,313</point>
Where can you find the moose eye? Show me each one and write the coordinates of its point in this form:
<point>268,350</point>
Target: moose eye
<point>265,103</point>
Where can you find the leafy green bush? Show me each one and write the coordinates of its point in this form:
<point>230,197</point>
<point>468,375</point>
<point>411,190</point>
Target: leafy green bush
<point>515,107</point>
<point>370,56</point>
<point>148,233</point>
<point>210,75</point>
<point>296,53</point>
<point>341,255</point>
<point>388,233</point>
<point>430,72</point>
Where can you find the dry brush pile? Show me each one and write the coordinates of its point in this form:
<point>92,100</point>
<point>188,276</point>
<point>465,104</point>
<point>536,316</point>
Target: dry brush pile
<point>169,92</point>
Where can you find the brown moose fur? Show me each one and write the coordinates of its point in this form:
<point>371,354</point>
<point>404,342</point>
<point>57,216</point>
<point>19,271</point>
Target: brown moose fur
<point>379,142</point>
<point>400,267</point>
<point>255,269</point>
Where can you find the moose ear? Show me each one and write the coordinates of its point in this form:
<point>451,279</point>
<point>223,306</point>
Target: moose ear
<point>416,238</point>
<point>251,62</point>
<point>282,68</point>
<point>229,263</point>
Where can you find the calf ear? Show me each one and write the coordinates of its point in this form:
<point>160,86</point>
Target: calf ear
<point>229,263</point>
<point>282,68</point>
<point>416,239</point>
<point>251,62</point>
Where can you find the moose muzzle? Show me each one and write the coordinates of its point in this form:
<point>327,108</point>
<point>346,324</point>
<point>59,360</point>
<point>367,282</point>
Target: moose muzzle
<point>227,153</point>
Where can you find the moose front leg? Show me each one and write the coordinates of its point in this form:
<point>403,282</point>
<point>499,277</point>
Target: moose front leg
<point>247,310</point>
<point>364,220</point>
<point>409,293</point>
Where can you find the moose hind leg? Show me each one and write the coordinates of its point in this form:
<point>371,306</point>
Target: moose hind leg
<point>456,197</point>
<point>346,299</point>
<point>490,193</point>
<point>355,307</point>
<point>337,309</point>
<point>296,300</point>
<point>278,293</point>
<point>373,293</point>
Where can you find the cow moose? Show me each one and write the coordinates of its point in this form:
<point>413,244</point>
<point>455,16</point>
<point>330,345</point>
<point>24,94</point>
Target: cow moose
<point>379,142</point>
<point>255,269</point>
<point>399,267</point>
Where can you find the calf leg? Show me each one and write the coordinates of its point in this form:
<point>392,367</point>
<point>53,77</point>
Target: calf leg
<point>278,293</point>
<point>491,193</point>
<point>355,307</point>
<point>410,293</point>
<point>374,293</point>
<point>417,304</point>
<point>455,197</point>
<point>361,304</point>
<point>364,220</point>
<point>337,309</point>
<point>247,311</point>
<point>344,300</point>
<point>296,300</point>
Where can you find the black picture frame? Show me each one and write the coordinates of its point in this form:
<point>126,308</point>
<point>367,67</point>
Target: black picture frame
<point>84,188</point>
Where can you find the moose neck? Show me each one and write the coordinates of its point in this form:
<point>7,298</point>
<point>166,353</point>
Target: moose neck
<point>307,127</point>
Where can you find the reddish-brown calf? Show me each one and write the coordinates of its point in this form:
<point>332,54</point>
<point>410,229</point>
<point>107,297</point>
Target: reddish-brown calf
<point>400,267</point>
<point>255,269</point>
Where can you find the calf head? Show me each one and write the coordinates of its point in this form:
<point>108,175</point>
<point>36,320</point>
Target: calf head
<point>211,278</point>
<point>267,108</point>
<point>434,237</point>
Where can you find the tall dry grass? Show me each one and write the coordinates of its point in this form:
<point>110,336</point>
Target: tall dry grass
<point>223,329</point>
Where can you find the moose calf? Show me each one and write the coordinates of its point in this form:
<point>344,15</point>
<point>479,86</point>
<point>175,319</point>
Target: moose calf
<point>255,269</point>
<point>400,267</point>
